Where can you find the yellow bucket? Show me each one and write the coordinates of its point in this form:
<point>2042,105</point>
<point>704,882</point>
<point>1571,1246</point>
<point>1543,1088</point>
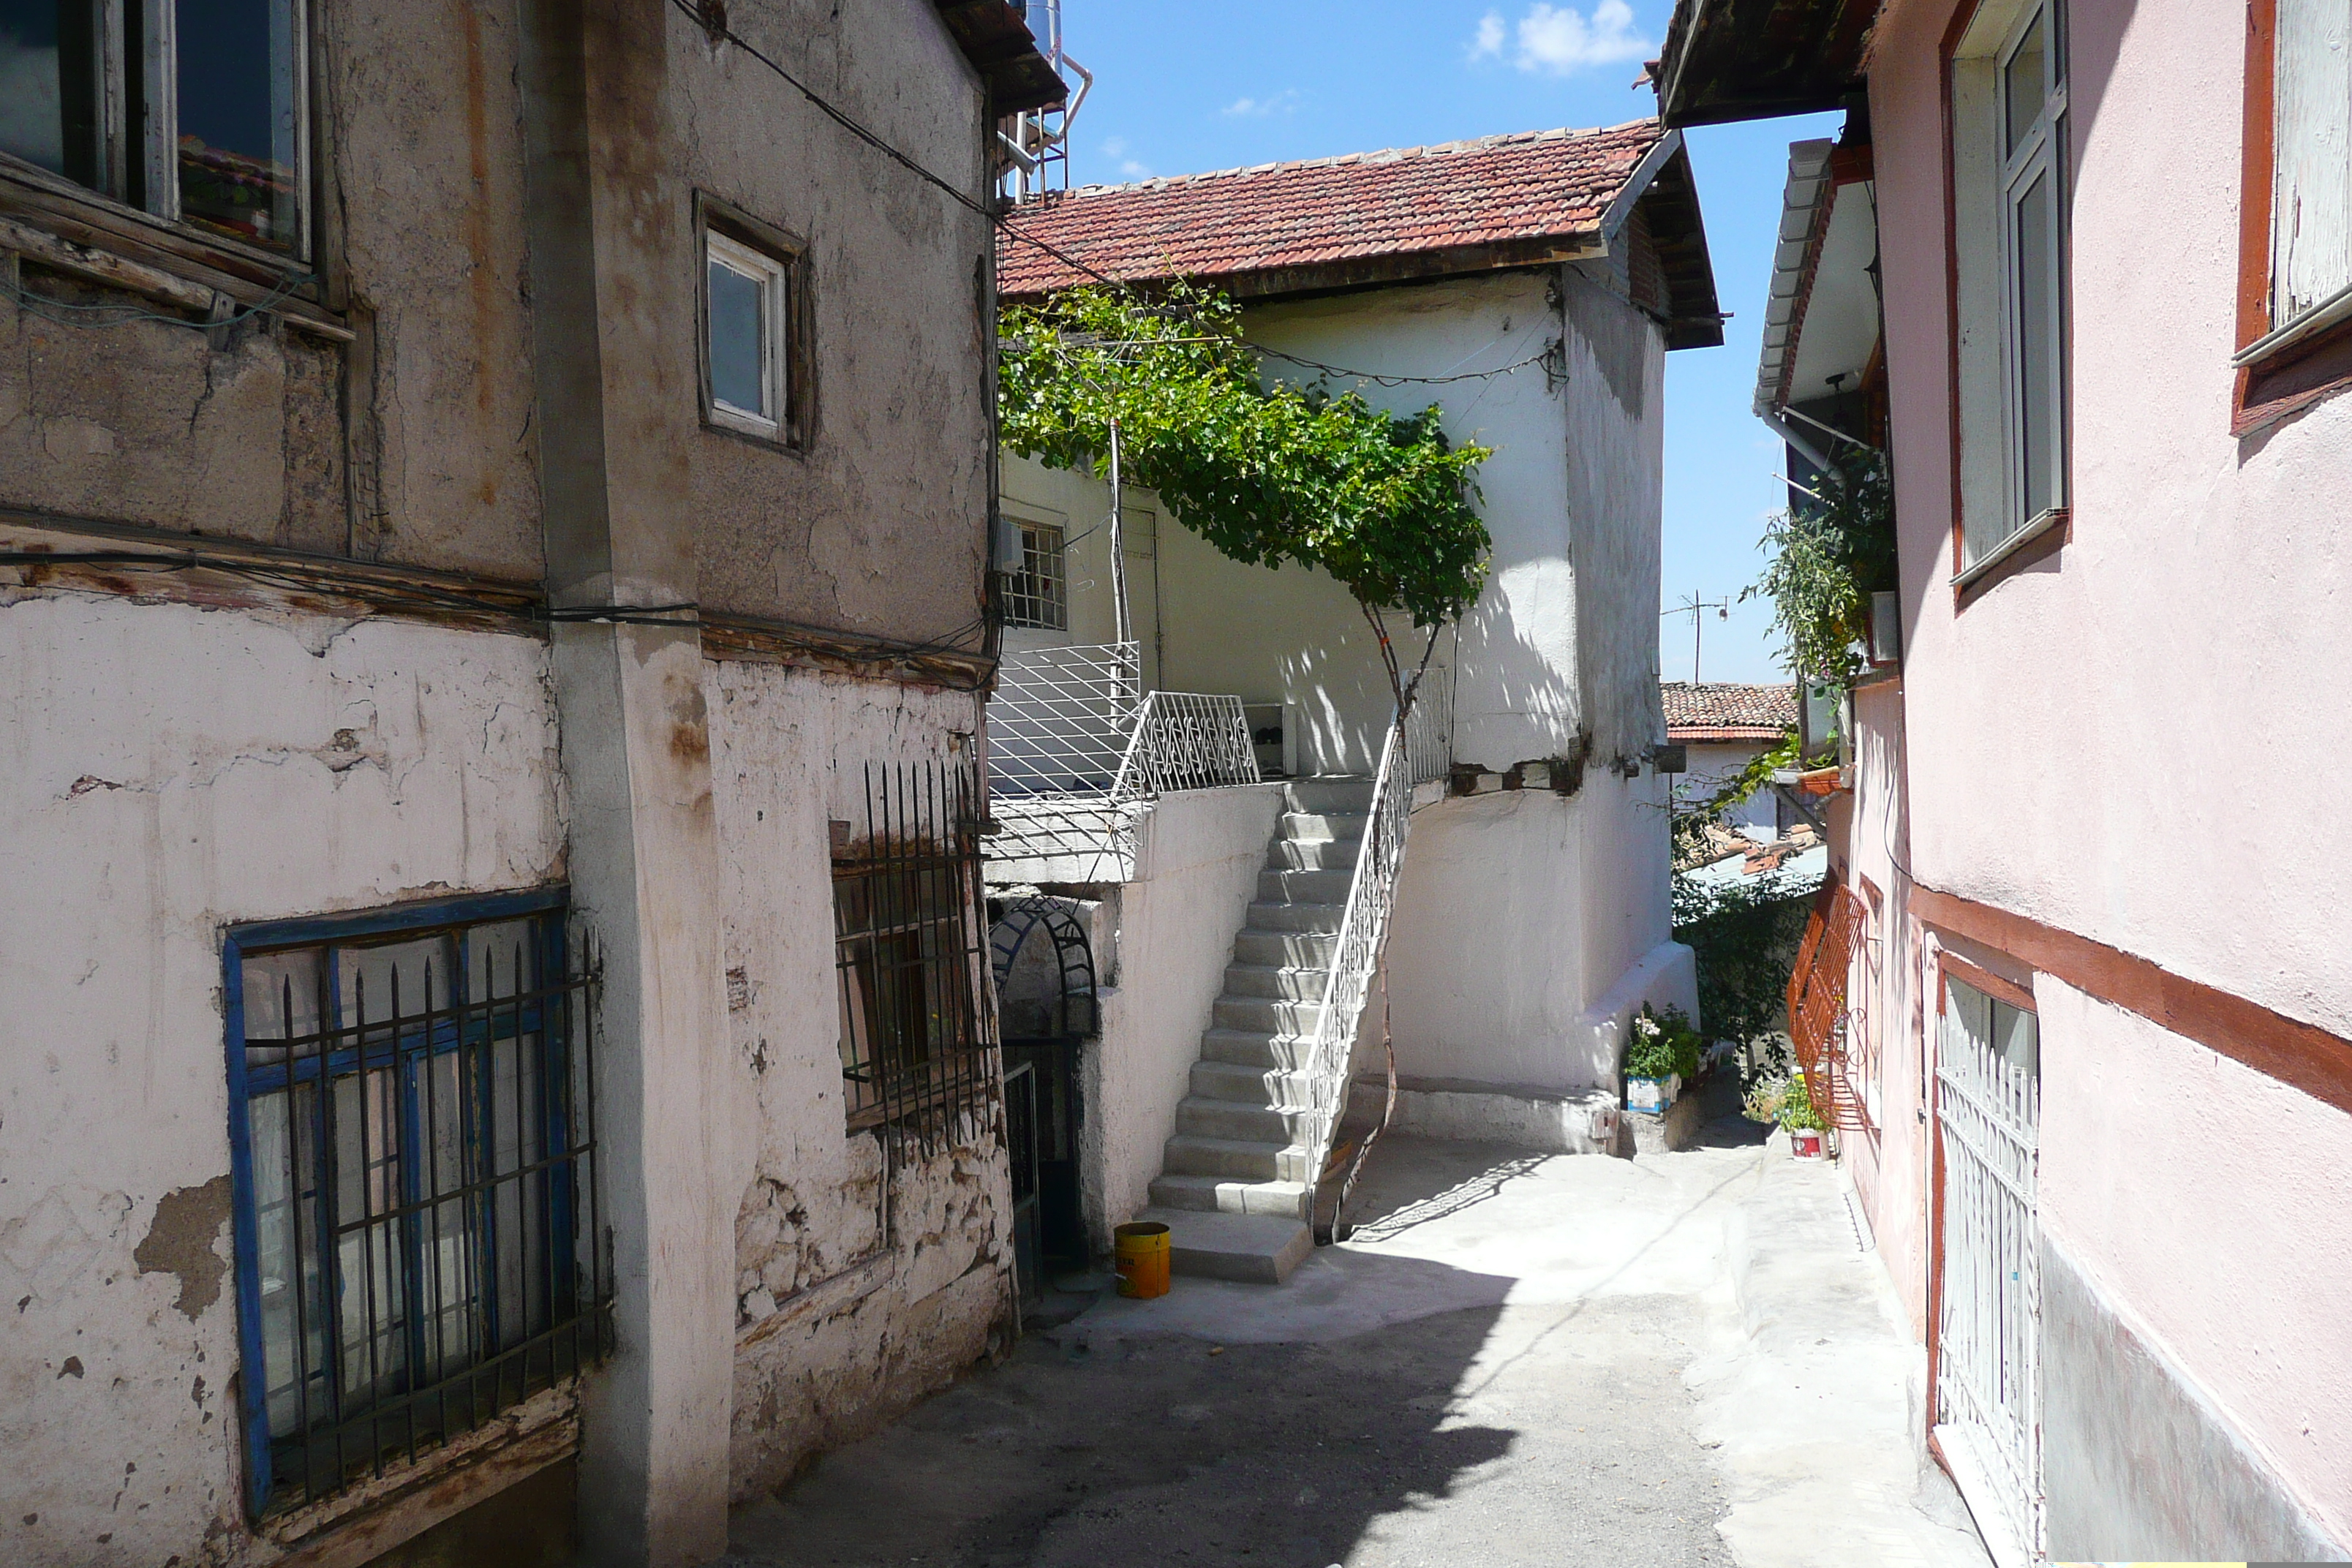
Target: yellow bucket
<point>1143,1251</point>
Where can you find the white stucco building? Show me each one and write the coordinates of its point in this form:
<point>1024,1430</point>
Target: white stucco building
<point>1723,726</point>
<point>1529,286</point>
<point>457,1096</point>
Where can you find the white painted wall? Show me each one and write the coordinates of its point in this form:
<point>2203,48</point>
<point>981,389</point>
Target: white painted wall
<point>1529,927</point>
<point>839,1328</point>
<point>1714,765</point>
<point>166,771</point>
<point>1197,860</point>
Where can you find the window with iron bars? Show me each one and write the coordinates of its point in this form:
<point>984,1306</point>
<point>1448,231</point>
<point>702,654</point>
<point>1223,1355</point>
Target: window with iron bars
<point>1037,595</point>
<point>918,1048</point>
<point>411,1113</point>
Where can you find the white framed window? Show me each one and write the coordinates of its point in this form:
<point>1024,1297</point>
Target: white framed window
<point>746,315</point>
<point>192,110</point>
<point>2032,102</point>
<point>2010,175</point>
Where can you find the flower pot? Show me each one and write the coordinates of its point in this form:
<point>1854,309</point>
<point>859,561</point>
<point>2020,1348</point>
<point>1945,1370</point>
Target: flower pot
<point>1805,1142</point>
<point>1653,1094</point>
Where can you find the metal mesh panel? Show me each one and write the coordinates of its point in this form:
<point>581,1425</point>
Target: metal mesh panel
<point>420,1250</point>
<point>1819,1020</point>
<point>918,1047</point>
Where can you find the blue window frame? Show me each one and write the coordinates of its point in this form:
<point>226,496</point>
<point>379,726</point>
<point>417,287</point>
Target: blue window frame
<point>411,1129</point>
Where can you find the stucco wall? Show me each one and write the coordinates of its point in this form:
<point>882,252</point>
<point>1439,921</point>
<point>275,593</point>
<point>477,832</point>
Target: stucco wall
<point>2065,722</point>
<point>1518,913</point>
<point>1198,855</point>
<point>167,772</point>
<point>882,525</point>
<point>840,1324</point>
<point>145,423</point>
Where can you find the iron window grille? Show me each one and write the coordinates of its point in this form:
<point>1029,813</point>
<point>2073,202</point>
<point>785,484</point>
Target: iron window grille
<point>917,1047</point>
<point>411,1116</point>
<point>1039,593</point>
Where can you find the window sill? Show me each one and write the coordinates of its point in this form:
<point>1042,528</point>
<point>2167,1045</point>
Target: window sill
<point>56,224</point>
<point>2037,539</point>
<point>2285,380</point>
<point>404,1502</point>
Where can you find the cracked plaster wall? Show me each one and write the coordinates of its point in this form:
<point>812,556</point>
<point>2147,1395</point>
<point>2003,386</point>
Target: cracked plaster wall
<point>148,423</point>
<point>881,526</point>
<point>838,1332</point>
<point>168,771</point>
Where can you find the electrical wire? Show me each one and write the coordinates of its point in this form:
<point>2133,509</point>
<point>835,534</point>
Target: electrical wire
<point>45,308</point>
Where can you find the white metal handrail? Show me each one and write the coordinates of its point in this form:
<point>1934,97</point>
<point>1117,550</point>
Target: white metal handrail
<point>1187,739</point>
<point>1416,751</point>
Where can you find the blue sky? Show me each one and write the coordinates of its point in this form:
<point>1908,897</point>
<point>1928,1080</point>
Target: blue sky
<point>1211,84</point>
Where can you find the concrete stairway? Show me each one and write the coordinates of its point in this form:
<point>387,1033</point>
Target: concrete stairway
<point>1234,1183</point>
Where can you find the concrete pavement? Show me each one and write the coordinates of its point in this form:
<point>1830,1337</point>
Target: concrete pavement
<point>1683,1359</point>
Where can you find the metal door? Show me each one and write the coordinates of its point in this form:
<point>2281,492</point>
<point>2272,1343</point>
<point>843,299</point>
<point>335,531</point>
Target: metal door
<point>1989,1371</point>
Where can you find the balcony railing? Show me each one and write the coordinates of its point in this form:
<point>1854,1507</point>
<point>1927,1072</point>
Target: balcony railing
<point>1074,742</point>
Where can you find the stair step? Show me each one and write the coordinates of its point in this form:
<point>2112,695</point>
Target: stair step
<point>1259,1048</point>
<point>1285,949</point>
<point>1257,1249</point>
<point>1279,916</point>
<point>1249,1083</point>
<point>1305,887</point>
<point>1312,853</point>
<point>1200,1117</point>
<point>1273,1016</point>
<point>1216,1195</point>
<point>1330,792</point>
<point>1280,981</point>
<point>1331,825</point>
<point>1252,1160</point>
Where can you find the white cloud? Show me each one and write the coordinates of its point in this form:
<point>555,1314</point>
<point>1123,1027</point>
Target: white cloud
<point>1281,103</point>
<point>1135,171</point>
<point>1561,38</point>
<point>1115,147</point>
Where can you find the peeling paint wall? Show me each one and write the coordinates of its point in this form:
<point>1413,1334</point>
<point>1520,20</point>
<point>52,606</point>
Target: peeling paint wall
<point>843,1321</point>
<point>164,772</point>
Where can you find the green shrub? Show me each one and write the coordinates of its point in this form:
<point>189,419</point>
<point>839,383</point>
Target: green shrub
<point>1746,937</point>
<point>1663,1045</point>
<point>1797,1113</point>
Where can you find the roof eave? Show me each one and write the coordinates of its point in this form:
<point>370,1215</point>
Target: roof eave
<point>1348,273</point>
<point>1756,60</point>
<point>995,39</point>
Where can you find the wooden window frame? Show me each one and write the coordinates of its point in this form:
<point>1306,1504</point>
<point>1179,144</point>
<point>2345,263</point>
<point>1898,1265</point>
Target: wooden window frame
<point>793,333</point>
<point>2276,382</point>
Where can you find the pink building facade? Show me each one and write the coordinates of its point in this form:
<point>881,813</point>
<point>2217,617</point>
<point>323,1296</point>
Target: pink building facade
<point>2079,269</point>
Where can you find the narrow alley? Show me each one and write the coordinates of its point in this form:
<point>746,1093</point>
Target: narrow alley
<point>1678,1359</point>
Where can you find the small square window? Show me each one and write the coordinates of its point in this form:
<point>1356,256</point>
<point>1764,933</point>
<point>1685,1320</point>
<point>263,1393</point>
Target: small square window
<point>752,381</point>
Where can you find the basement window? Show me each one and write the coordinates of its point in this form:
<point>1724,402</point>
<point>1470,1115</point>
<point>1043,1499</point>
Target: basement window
<point>910,927</point>
<point>413,1138</point>
<point>193,110</point>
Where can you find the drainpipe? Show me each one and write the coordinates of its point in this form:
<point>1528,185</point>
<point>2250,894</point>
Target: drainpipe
<point>1788,433</point>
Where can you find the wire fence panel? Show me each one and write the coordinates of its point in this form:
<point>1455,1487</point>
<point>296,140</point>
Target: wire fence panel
<point>1062,720</point>
<point>1988,1110</point>
<point>1429,727</point>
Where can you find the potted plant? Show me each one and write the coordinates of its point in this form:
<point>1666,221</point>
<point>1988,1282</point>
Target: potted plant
<point>1804,1124</point>
<point>1663,1051</point>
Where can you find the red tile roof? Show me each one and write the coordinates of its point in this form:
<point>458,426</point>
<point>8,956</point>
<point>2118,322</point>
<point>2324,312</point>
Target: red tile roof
<point>1721,711</point>
<point>1520,190</point>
